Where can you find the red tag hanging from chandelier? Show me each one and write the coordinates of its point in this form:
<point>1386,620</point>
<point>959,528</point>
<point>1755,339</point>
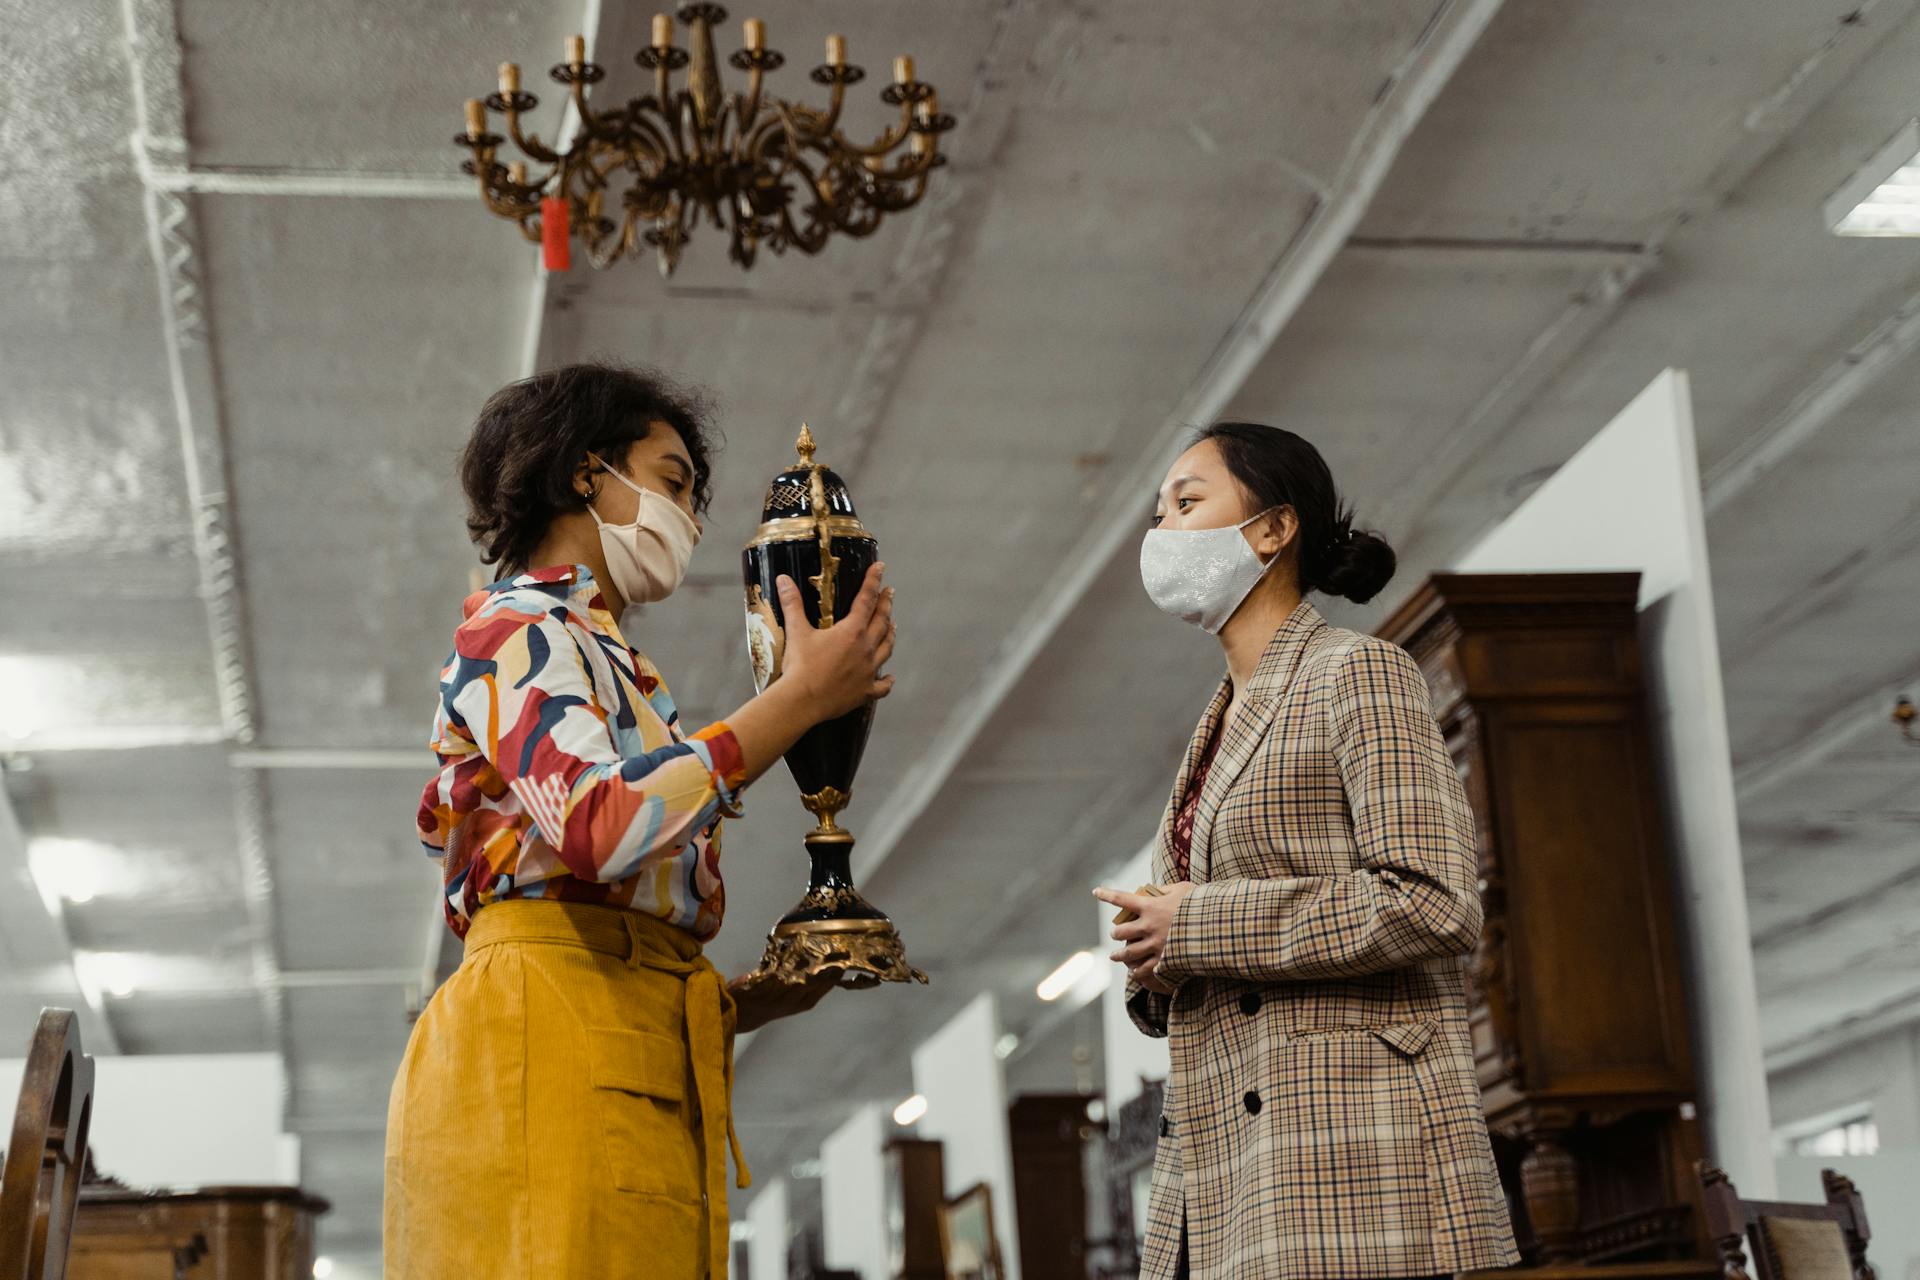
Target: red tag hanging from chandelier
<point>555,247</point>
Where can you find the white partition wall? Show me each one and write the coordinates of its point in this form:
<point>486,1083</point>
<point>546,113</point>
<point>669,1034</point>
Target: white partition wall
<point>1631,500</point>
<point>852,1189</point>
<point>767,1246</point>
<point>162,1120</point>
<point>957,1072</point>
<point>1130,1053</point>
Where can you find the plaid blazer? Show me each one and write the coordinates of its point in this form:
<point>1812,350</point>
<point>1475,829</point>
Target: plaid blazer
<point>1323,1120</point>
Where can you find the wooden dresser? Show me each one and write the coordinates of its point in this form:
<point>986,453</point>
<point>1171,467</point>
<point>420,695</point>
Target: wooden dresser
<point>1580,1009</point>
<point>214,1233</point>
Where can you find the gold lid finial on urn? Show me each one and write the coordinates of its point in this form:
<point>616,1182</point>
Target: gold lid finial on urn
<point>805,445</point>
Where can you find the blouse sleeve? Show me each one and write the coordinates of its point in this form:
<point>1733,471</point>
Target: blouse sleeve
<point>523,691</point>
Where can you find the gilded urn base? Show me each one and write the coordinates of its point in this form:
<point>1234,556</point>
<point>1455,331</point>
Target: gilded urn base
<point>833,927</point>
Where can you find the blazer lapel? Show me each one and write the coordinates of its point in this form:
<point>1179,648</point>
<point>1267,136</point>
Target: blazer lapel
<point>1196,747</point>
<point>1242,737</point>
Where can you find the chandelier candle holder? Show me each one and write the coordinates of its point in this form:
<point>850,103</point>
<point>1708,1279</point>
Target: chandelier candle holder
<point>771,173</point>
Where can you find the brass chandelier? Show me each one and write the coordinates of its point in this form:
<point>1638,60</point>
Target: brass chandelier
<point>771,173</point>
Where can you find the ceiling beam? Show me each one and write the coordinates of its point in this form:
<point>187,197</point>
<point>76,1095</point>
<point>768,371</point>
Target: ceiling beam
<point>1488,421</point>
<point>159,142</point>
<point>34,938</point>
<point>1764,125</point>
<point>277,181</point>
<point>1416,84</point>
<point>1889,1015</point>
<point>1828,589</point>
<point>406,759</point>
<point>1819,403</point>
<point>1868,711</point>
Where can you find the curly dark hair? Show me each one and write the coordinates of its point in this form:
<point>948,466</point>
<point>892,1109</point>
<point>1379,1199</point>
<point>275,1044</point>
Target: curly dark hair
<point>532,435</point>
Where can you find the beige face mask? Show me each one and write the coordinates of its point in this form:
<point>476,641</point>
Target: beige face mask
<point>647,559</point>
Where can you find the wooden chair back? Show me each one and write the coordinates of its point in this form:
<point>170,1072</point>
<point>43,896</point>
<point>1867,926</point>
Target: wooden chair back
<point>1790,1241</point>
<point>47,1154</point>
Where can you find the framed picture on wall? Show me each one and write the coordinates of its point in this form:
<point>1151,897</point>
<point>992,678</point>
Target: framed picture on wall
<point>968,1244</point>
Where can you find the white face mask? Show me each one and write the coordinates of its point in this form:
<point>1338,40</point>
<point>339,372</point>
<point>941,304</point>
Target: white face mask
<point>1201,575</point>
<point>647,559</point>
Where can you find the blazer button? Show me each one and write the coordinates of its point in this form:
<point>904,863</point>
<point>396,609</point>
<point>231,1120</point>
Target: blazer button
<point>1253,1103</point>
<point>1250,1003</point>
<point>1164,1126</point>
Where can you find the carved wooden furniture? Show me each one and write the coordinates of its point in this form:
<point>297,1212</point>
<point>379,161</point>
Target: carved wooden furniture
<point>1790,1241</point>
<point>40,1181</point>
<point>256,1232</point>
<point>1579,1007</point>
<point>1131,1144</point>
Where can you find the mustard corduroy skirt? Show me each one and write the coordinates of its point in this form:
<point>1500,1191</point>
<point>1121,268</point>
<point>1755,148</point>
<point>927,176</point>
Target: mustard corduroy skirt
<point>563,1105</point>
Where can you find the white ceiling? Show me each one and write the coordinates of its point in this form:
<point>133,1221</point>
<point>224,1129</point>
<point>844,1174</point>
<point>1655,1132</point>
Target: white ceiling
<point>1140,196</point>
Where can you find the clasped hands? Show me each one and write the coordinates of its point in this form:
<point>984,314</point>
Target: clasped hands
<point>1142,927</point>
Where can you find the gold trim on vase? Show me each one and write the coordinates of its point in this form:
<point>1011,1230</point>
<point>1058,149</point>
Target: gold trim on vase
<point>826,804</point>
<point>807,528</point>
<point>866,924</point>
<point>865,958</point>
<point>827,580</point>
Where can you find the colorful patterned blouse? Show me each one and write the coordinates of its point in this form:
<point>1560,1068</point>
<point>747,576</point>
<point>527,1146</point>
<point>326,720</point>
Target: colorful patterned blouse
<point>564,773</point>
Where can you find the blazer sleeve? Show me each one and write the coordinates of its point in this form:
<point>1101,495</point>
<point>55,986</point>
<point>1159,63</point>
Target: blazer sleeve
<point>1414,896</point>
<point>1148,1009</point>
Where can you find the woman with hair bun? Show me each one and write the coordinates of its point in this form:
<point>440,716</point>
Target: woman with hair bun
<point>1316,888</point>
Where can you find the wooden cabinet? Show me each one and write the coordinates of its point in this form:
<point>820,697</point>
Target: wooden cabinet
<point>915,1188</point>
<point>1048,1132</point>
<point>215,1233</point>
<point>1579,1000</point>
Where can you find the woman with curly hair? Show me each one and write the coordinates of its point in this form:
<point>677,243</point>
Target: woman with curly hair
<point>563,1105</point>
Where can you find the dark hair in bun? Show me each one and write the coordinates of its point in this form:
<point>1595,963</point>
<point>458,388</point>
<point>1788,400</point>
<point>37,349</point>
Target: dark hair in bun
<point>1280,469</point>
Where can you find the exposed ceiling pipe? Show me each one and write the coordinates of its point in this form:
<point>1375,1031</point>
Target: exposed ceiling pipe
<point>159,142</point>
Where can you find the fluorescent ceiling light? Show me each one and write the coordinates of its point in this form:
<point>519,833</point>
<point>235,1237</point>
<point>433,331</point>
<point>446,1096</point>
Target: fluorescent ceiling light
<point>910,1110</point>
<point>65,870</point>
<point>113,972</point>
<point>1883,197</point>
<point>26,697</point>
<point>1083,973</point>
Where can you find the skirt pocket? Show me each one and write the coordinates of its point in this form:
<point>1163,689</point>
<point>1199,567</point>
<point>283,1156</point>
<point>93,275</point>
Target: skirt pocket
<point>640,1090</point>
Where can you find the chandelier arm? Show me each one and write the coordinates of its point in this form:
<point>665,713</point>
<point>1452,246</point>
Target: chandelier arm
<point>887,141</point>
<point>914,164</point>
<point>530,142</point>
<point>647,137</point>
<point>579,89</point>
<point>746,110</point>
<point>836,99</point>
<point>742,247</point>
<point>801,239</point>
<point>770,127</point>
<point>694,154</point>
